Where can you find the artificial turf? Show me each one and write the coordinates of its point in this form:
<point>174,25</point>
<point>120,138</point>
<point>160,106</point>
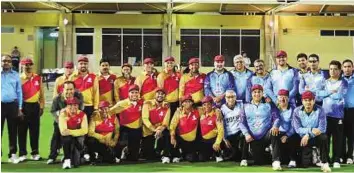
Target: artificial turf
<point>46,133</point>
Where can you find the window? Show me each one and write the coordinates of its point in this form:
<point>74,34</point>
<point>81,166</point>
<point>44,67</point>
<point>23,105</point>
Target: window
<point>131,45</point>
<point>7,29</point>
<point>207,43</point>
<point>84,40</point>
<point>342,33</point>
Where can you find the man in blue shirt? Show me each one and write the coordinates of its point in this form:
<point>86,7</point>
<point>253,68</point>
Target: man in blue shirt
<point>241,75</point>
<point>259,125</point>
<point>282,77</point>
<point>333,94</point>
<point>314,79</point>
<point>260,77</point>
<point>232,111</point>
<point>218,81</point>
<point>348,75</point>
<point>309,122</point>
<point>11,103</point>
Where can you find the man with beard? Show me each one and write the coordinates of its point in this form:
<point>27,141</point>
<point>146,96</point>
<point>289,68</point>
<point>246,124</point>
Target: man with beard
<point>59,82</point>
<point>309,122</point>
<point>282,77</point>
<point>218,81</point>
<point>169,79</point>
<point>106,82</point>
<point>87,83</point>
<point>58,106</point>
<point>11,104</point>
<point>147,81</point>
<point>33,105</point>
<point>156,119</point>
<point>348,75</point>
<point>122,83</point>
<point>233,137</point>
<point>129,111</point>
<point>192,83</point>
<point>260,77</point>
<point>314,79</point>
<point>103,132</point>
<point>302,63</point>
<point>241,75</point>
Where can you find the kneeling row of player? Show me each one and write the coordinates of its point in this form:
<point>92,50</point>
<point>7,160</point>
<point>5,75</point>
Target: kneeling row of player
<point>195,133</point>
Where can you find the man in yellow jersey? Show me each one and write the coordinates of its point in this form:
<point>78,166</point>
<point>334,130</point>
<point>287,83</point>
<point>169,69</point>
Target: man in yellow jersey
<point>106,82</point>
<point>129,111</point>
<point>147,81</point>
<point>122,83</point>
<point>59,82</point>
<point>33,104</point>
<point>156,119</point>
<point>169,79</point>
<point>192,83</point>
<point>212,131</point>
<point>183,130</point>
<point>87,84</point>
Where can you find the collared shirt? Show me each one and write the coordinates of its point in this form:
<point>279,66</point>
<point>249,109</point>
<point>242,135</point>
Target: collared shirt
<point>241,78</point>
<point>303,122</point>
<point>216,84</point>
<point>11,89</point>
<point>349,99</point>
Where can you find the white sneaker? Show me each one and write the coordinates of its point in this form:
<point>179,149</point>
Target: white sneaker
<point>219,159</point>
<point>325,167</point>
<point>117,160</point>
<point>165,160</point>
<point>22,158</point>
<point>276,166</point>
<point>13,159</point>
<point>67,164</point>
<point>87,157</point>
<point>50,161</point>
<point>243,163</point>
<point>349,161</point>
<point>319,164</point>
<point>36,157</point>
<point>124,153</point>
<point>292,164</point>
<point>176,160</point>
<point>336,165</point>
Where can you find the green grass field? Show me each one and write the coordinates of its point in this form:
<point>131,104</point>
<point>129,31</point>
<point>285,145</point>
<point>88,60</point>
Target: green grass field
<point>45,136</point>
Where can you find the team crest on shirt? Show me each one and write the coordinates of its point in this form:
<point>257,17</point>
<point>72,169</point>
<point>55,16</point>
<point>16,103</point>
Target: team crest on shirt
<point>36,83</point>
<point>89,80</point>
<point>78,120</point>
<point>194,118</point>
<point>110,124</point>
<point>139,108</point>
<point>201,81</point>
<point>161,114</point>
<point>210,123</point>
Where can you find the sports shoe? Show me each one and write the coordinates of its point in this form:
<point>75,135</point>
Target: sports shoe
<point>36,157</point>
<point>87,157</point>
<point>292,164</point>
<point>325,167</point>
<point>67,164</point>
<point>22,158</point>
<point>176,160</point>
<point>336,165</point>
<point>243,163</point>
<point>13,159</point>
<point>219,159</point>
<point>276,166</point>
<point>117,160</point>
<point>349,161</point>
<point>50,161</point>
<point>124,153</point>
<point>165,160</point>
